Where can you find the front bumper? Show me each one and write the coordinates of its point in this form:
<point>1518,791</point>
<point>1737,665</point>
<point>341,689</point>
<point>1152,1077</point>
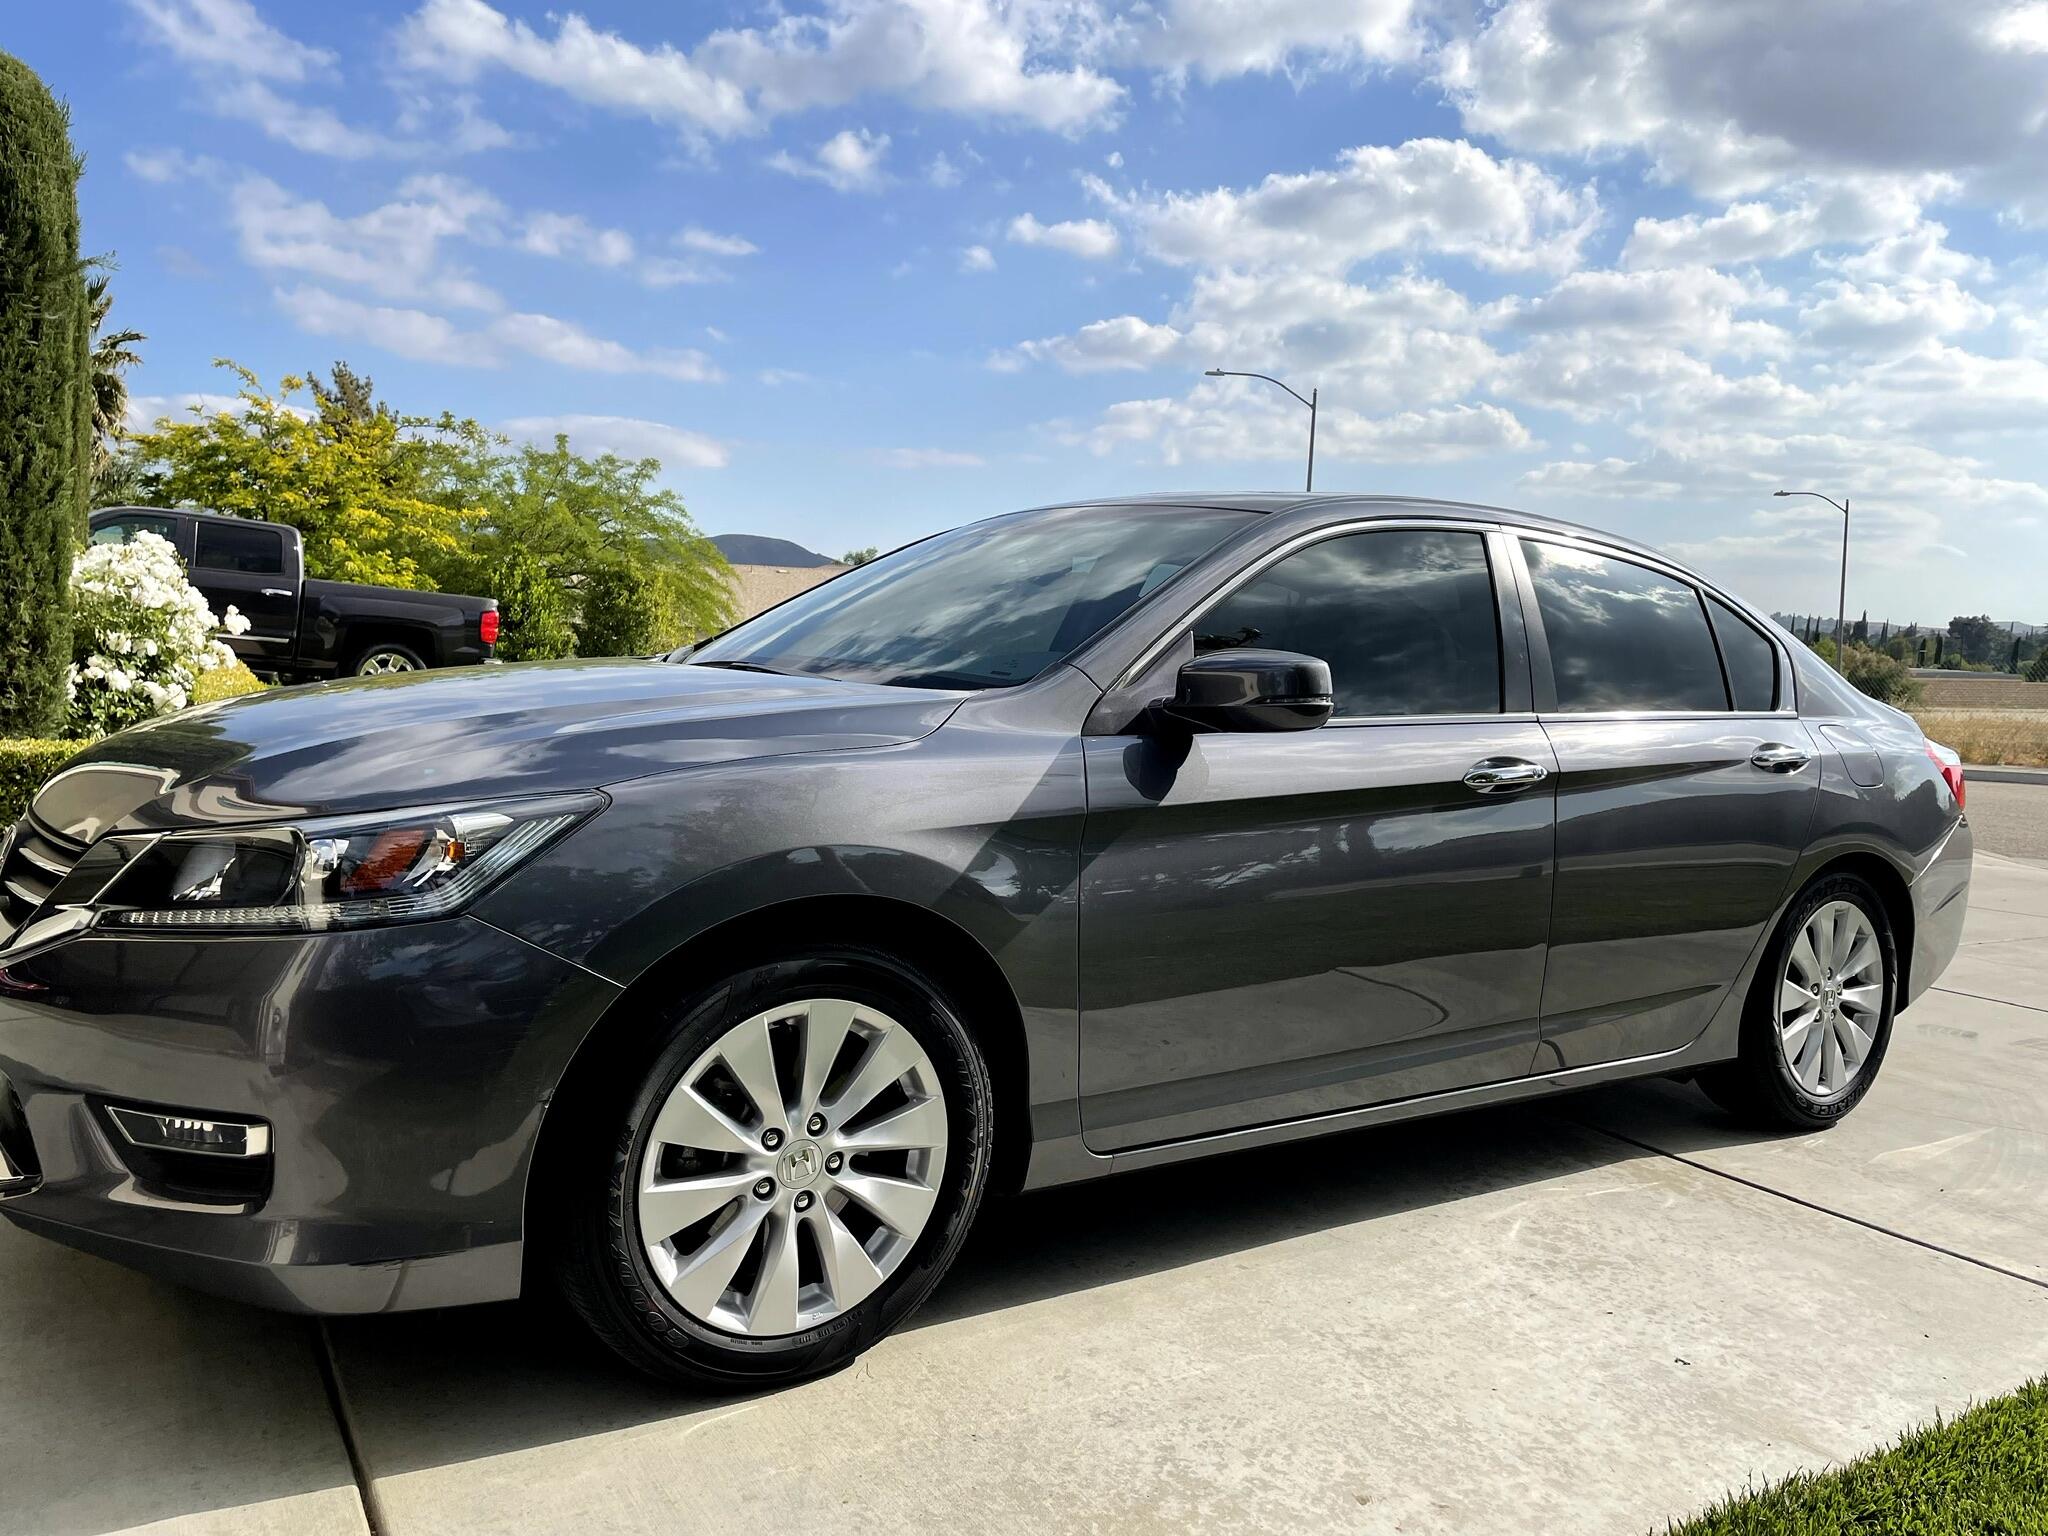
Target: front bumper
<point>402,1072</point>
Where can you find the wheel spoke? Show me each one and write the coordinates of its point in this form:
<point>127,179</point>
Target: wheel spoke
<point>1863,999</point>
<point>1792,997</point>
<point>689,1120</point>
<point>1804,960</point>
<point>1862,954</point>
<point>1796,1033</point>
<point>1855,1040</point>
<point>750,1055</point>
<point>912,1128</point>
<point>1807,1066</point>
<point>670,1205</point>
<point>850,1275</point>
<point>772,1307</point>
<point>1830,1061</point>
<point>892,1055</point>
<point>898,1202</point>
<point>825,1025</point>
<point>702,1277</point>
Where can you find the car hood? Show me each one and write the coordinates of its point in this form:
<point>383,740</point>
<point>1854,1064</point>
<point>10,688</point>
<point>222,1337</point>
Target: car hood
<point>461,734</point>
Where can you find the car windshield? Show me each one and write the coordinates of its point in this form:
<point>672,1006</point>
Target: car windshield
<point>987,606</point>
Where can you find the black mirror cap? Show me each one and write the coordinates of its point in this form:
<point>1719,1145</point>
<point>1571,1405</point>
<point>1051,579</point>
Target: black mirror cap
<point>1252,690</point>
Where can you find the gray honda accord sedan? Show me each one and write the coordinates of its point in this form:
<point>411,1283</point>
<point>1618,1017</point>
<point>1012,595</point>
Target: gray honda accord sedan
<point>719,991</point>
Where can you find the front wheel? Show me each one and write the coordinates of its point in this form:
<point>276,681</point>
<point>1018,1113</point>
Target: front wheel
<point>788,1172</point>
<point>1819,1014</point>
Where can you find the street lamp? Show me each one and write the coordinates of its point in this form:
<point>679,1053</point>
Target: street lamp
<point>1842,597</point>
<point>1310,402</point>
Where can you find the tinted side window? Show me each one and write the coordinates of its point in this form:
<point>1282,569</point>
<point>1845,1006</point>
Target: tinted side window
<point>1405,618</point>
<point>1751,660</point>
<point>227,547</point>
<point>119,530</point>
<point>1621,635</point>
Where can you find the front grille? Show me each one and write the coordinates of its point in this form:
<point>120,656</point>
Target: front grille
<point>36,860</point>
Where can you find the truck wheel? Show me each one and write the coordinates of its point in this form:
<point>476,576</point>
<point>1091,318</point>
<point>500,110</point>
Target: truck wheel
<point>385,657</point>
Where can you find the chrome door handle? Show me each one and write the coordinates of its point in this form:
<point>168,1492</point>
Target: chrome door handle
<point>1779,757</point>
<point>1505,775</point>
<point>277,591</point>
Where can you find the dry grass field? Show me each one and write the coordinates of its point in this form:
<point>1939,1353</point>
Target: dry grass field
<point>2013,737</point>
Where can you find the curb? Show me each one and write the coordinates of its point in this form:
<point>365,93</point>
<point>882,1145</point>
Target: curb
<point>2002,775</point>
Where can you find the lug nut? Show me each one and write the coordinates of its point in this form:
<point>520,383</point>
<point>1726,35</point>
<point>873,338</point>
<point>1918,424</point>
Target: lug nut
<point>771,1139</point>
<point>803,1200</point>
<point>834,1163</point>
<point>764,1188</point>
<point>817,1124</point>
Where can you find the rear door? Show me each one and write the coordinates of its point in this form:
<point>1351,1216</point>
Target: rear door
<point>249,566</point>
<point>1685,792</point>
<point>1278,926</point>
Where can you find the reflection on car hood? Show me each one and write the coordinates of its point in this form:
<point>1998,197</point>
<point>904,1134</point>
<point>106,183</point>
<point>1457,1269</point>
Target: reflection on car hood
<point>465,733</point>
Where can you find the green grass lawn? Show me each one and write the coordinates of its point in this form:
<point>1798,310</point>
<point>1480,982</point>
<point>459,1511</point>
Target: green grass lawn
<point>1984,1473</point>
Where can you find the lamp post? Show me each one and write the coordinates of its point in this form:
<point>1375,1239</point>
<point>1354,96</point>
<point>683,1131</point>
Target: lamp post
<point>1842,596</point>
<point>1310,402</point>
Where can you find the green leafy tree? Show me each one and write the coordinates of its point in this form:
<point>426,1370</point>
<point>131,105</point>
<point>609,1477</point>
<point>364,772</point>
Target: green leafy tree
<point>1884,678</point>
<point>622,611</point>
<point>356,489</point>
<point>859,556</point>
<point>2038,672</point>
<point>1974,636</point>
<point>113,354</point>
<point>45,399</point>
<point>533,610</point>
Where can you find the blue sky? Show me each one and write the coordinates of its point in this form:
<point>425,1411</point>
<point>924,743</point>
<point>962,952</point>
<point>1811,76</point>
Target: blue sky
<point>863,269</point>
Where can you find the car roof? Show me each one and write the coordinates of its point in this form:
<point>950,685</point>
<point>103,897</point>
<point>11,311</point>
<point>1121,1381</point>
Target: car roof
<point>201,514</point>
<point>1268,503</point>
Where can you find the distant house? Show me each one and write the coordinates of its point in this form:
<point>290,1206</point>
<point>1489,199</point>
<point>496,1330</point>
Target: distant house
<point>756,587</point>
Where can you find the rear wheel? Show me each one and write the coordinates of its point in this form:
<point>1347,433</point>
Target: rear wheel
<point>788,1171</point>
<point>384,658</point>
<point>1819,1015</point>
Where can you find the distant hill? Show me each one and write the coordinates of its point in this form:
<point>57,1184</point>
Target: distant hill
<point>759,549</point>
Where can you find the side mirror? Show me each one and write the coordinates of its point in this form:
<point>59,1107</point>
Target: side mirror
<point>1248,690</point>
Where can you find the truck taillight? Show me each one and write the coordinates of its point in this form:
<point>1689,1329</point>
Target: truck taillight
<point>1950,762</point>
<point>487,627</point>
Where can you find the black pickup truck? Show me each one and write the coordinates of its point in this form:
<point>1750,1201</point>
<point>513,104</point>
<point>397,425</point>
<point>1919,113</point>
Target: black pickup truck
<point>302,630</point>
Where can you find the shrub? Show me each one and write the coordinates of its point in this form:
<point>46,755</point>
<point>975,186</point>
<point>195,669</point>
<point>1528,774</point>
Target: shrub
<point>45,404</point>
<point>2038,672</point>
<point>1884,678</point>
<point>533,612</point>
<point>142,635</point>
<point>622,612</point>
<point>25,766</point>
<point>230,680</point>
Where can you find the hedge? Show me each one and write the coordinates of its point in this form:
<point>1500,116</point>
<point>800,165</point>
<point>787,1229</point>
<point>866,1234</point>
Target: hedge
<point>45,399</point>
<point>24,767</point>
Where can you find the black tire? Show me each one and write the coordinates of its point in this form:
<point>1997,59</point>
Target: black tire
<point>599,1263</point>
<point>1758,1086</point>
<point>364,664</point>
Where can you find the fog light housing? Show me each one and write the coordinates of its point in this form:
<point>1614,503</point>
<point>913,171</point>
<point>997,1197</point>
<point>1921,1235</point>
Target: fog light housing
<point>166,1131</point>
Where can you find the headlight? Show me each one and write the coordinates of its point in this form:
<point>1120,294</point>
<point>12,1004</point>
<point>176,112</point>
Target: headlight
<point>310,876</point>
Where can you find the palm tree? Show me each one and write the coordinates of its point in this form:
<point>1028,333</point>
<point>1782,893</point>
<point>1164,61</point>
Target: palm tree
<point>113,354</point>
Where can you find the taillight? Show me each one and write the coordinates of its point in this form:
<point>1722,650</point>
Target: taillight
<point>487,627</point>
<point>1950,762</point>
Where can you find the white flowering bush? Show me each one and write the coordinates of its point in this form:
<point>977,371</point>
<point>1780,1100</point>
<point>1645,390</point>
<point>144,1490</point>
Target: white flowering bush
<point>142,634</point>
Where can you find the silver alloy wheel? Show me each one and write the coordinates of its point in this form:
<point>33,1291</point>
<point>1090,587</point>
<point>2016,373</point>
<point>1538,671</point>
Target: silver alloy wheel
<point>793,1167</point>
<point>1831,999</point>
<point>378,663</point>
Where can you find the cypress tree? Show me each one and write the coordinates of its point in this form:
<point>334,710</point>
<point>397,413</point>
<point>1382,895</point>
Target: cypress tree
<point>45,399</point>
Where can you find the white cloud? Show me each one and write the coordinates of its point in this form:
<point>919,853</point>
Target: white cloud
<point>1732,96</point>
<point>394,250</point>
<point>1427,195</point>
<point>144,411</point>
<point>1697,308</point>
<point>1217,39</point>
<point>1090,239</point>
<point>977,258</point>
<point>942,172</point>
<point>712,243</point>
<point>429,337</point>
<point>1226,425</point>
<point>628,436</point>
<point>315,130</point>
<point>1878,319</point>
<point>1849,212</point>
<point>928,458</point>
<point>571,236</point>
<point>849,161</point>
<point>961,56</point>
<point>229,35</point>
<point>164,165</point>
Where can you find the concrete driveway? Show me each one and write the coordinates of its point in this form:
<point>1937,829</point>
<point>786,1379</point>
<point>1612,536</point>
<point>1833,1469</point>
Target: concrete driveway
<point>1592,1316</point>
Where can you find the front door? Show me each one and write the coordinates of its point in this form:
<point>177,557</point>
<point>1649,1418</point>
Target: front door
<point>244,565</point>
<point>1275,926</point>
<point>1685,792</point>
